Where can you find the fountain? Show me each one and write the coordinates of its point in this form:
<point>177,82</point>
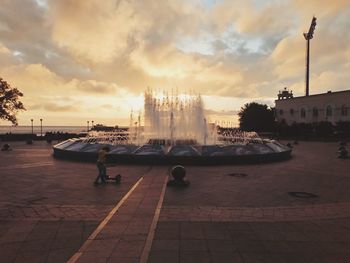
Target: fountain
<point>174,129</point>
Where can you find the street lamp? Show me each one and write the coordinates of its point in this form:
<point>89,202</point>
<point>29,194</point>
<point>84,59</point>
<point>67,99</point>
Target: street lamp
<point>41,127</point>
<point>88,126</point>
<point>32,126</point>
<point>92,124</point>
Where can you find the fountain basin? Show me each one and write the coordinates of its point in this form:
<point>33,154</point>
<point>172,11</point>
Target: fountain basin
<point>267,151</point>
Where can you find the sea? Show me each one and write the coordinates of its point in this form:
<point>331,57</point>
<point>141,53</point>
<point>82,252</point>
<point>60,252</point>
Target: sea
<point>36,129</point>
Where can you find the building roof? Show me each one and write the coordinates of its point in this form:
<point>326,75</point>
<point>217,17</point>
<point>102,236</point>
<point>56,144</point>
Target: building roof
<point>329,93</point>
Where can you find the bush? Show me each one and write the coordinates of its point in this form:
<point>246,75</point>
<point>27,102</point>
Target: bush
<point>342,128</point>
<point>306,130</point>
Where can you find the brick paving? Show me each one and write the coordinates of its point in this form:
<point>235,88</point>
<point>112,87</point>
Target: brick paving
<point>264,214</point>
<point>49,207</point>
<point>54,212</point>
<point>49,211</point>
<point>221,218</point>
<point>124,237</point>
<point>301,241</point>
<point>42,241</point>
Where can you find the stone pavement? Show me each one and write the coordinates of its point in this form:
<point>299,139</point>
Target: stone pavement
<point>255,214</point>
<point>301,241</point>
<point>49,207</point>
<point>50,212</point>
<point>124,237</point>
<point>225,218</point>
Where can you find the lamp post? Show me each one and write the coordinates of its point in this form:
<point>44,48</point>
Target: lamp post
<point>308,36</point>
<point>87,126</point>
<point>41,127</point>
<point>32,126</point>
<point>92,124</point>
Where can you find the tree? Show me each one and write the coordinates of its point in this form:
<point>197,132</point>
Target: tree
<point>256,117</point>
<point>343,128</point>
<point>9,102</point>
<point>323,128</point>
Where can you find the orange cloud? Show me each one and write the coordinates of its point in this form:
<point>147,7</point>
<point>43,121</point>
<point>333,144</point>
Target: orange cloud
<point>108,52</point>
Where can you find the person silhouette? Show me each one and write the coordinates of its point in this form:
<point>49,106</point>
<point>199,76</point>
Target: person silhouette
<point>101,165</point>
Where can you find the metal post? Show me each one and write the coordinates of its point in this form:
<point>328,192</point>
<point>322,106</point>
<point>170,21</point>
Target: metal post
<point>87,130</point>
<point>41,127</point>
<point>92,124</point>
<point>139,130</point>
<point>307,67</point>
<point>32,126</point>
<point>308,36</point>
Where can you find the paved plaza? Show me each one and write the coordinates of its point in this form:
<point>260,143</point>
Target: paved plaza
<point>51,212</point>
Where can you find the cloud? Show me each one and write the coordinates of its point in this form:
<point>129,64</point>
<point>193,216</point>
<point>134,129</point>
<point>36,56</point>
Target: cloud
<point>107,106</point>
<point>287,66</point>
<point>96,87</point>
<point>33,79</point>
<point>61,108</point>
<point>35,107</point>
<point>36,79</point>
<point>108,52</point>
<point>329,53</point>
<point>52,107</point>
<point>30,36</point>
<point>223,112</point>
<point>111,107</point>
<point>326,81</point>
<point>321,8</point>
<point>3,49</point>
<point>6,57</point>
<point>91,31</point>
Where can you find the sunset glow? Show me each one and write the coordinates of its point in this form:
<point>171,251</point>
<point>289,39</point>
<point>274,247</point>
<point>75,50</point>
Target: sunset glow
<point>79,60</point>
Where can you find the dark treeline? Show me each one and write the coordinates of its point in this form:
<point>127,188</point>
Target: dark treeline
<point>261,118</point>
<point>49,136</point>
<point>319,130</point>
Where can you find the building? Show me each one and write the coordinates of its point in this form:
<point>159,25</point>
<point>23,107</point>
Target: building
<point>331,107</point>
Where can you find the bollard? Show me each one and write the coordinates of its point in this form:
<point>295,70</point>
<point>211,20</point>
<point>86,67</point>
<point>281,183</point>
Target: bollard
<point>343,153</point>
<point>178,172</point>
<point>342,143</point>
<point>6,147</point>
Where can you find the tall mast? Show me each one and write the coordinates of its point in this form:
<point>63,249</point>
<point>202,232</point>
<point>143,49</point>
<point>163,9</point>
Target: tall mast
<point>308,36</point>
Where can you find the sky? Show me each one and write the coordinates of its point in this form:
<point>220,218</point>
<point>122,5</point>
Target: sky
<point>79,60</point>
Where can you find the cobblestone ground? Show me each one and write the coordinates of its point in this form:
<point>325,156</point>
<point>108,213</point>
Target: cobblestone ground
<point>49,207</point>
<point>243,242</point>
<point>252,218</point>
<point>51,212</point>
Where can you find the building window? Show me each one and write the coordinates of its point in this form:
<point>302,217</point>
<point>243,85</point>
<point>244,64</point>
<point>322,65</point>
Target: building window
<point>303,113</point>
<point>344,110</point>
<point>315,112</point>
<point>281,112</point>
<point>329,111</point>
<point>291,111</point>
